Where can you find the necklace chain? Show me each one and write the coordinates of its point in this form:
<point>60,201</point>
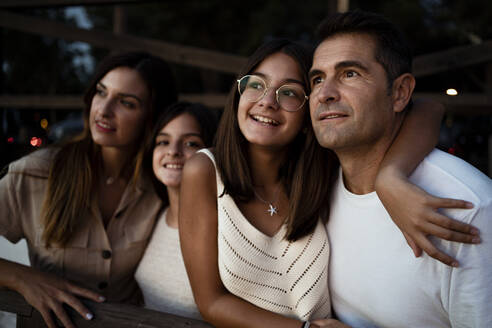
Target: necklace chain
<point>272,209</point>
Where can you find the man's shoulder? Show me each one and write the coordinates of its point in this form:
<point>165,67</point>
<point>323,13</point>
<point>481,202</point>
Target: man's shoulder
<point>445,175</point>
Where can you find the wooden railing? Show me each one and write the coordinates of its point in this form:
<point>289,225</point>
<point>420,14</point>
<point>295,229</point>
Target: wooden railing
<point>105,315</point>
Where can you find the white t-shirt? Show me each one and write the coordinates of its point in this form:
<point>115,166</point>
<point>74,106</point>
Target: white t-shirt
<point>162,276</point>
<point>375,280</point>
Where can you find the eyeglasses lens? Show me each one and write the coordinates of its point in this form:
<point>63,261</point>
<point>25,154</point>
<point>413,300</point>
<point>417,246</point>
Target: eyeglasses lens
<point>290,97</point>
<point>252,88</point>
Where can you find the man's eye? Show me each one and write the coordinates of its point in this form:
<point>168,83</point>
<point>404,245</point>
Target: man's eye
<point>351,74</point>
<point>316,80</point>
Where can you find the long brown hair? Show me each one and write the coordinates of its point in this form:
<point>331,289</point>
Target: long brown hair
<point>73,172</point>
<point>306,172</point>
<point>206,119</point>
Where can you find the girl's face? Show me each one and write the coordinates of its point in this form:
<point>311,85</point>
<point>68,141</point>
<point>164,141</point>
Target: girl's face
<point>177,141</point>
<point>119,108</point>
<point>263,122</point>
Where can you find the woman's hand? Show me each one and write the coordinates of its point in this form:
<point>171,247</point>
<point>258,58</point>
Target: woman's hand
<point>415,212</point>
<point>329,323</point>
<point>47,293</point>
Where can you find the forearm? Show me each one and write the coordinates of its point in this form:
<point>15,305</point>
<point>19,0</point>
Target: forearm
<point>12,274</point>
<point>229,310</point>
<point>417,137</point>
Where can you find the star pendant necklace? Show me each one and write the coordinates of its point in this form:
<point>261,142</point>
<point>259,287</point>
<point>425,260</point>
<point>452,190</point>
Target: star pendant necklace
<point>272,209</point>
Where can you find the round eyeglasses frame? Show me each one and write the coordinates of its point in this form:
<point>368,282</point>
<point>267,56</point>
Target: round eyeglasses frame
<point>268,88</point>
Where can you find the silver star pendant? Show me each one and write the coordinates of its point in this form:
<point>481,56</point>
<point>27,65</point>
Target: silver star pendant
<point>272,210</point>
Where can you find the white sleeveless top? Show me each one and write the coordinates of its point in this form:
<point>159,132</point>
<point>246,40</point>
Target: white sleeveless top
<point>162,276</point>
<point>289,278</point>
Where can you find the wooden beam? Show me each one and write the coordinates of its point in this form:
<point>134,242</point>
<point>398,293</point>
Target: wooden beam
<point>171,52</point>
<point>74,102</point>
<point>467,104</point>
<point>463,104</point>
<point>68,102</point>
<point>63,3</point>
<point>105,315</point>
<point>452,59</point>
<point>208,99</point>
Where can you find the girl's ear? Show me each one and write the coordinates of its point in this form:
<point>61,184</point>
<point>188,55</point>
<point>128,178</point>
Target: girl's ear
<point>402,91</point>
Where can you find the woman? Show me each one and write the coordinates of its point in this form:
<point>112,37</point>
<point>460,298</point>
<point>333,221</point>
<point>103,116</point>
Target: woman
<point>87,208</point>
<point>254,248</point>
<point>182,130</point>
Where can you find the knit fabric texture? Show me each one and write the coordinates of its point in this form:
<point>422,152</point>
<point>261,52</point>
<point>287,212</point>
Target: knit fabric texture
<point>289,278</point>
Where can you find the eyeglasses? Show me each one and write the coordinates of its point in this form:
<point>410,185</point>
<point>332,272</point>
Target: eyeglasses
<point>290,96</point>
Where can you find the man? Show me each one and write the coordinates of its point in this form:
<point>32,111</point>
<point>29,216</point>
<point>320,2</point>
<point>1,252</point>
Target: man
<point>361,84</point>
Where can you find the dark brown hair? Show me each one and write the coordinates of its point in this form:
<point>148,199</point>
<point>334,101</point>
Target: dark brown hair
<point>392,51</point>
<point>74,171</point>
<point>206,119</point>
<point>307,169</point>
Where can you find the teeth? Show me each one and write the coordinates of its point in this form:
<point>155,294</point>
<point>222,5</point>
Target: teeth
<point>104,125</point>
<point>333,116</point>
<point>173,166</point>
<point>264,120</point>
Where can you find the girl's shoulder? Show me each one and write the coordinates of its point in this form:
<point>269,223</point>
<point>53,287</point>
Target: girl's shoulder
<point>201,165</point>
<point>37,162</point>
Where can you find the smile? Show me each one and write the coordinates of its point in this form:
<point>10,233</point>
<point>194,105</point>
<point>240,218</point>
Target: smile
<point>105,126</point>
<point>265,120</point>
<point>173,166</point>
<point>327,116</point>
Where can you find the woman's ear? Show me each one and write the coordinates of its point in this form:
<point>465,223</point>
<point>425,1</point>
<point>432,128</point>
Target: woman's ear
<point>402,91</point>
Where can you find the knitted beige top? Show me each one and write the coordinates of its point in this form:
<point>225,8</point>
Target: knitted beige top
<point>288,278</point>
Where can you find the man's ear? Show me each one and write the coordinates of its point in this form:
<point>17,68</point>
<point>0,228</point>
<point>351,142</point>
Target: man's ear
<point>403,87</point>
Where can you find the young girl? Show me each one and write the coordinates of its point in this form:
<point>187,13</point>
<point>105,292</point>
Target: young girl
<point>87,208</point>
<point>179,133</point>
<point>254,247</point>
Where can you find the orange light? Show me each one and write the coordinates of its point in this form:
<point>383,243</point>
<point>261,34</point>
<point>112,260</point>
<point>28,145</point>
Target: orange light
<point>36,142</point>
<point>44,123</point>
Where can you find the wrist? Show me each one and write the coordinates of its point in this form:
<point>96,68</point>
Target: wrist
<point>12,275</point>
<point>389,177</point>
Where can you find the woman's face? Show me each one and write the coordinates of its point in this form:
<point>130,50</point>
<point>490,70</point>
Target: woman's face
<point>177,141</point>
<point>119,108</point>
<point>263,122</point>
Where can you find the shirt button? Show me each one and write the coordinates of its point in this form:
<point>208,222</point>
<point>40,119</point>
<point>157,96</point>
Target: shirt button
<point>102,285</point>
<point>106,254</point>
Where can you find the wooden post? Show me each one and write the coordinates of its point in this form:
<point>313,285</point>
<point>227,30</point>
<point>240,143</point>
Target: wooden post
<point>343,6</point>
<point>119,20</point>
<point>488,91</point>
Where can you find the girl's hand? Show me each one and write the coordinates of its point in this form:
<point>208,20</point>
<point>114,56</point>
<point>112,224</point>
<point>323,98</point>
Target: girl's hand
<point>415,212</point>
<point>329,323</point>
<point>47,293</point>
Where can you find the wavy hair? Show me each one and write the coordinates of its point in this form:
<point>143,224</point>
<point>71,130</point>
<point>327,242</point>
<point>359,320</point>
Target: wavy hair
<point>74,170</point>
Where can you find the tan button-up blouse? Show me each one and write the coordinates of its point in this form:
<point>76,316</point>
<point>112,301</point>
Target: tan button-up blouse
<point>100,259</point>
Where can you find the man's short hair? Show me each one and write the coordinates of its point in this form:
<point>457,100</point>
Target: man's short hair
<point>392,50</point>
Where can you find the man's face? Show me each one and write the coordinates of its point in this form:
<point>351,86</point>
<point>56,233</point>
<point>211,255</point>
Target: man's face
<point>350,104</point>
